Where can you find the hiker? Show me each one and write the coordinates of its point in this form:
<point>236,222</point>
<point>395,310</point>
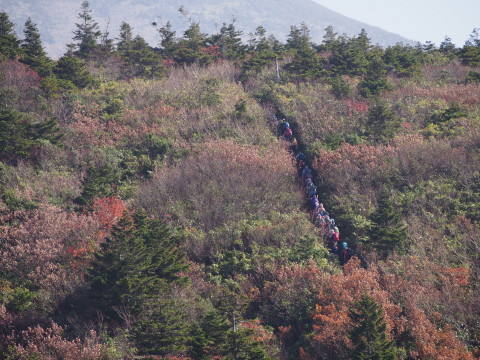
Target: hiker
<point>311,190</point>
<point>300,157</point>
<point>344,254</point>
<point>334,250</point>
<point>333,239</point>
<point>314,203</point>
<point>288,135</point>
<point>306,173</point>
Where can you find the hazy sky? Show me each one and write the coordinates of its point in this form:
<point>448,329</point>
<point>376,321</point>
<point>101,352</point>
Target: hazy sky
<point>420,20</point>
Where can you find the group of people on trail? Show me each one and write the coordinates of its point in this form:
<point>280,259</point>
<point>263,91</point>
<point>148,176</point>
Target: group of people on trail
<point>319,215</point>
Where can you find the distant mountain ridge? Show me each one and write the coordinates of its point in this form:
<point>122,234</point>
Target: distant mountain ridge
<point>56,18</point>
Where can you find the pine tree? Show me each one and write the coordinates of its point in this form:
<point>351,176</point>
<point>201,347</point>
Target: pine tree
<point>306,63</point>
<point>388,231</point>
<point>74,70</point>
<point>229,42</point>
<point>33,51</point>
<point>375,80</point>
<point>189,48</point>
<point>403,61</point>
<point>19,136</point>
<point>133,271</point>
<point>382,122</point>
<point>169,40</point>
<point>9,43</point>
<point>141,59</point>
<point>126,37</point>
<point>368,334</point>
<point>87,33</point>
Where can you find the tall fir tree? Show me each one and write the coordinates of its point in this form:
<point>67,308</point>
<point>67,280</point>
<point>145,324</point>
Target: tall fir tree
<point>306,63</point>
<point>87,33</point>
<point>375,80</point>
<point>72,69</point>
<point>368,334</point>
<point>124,42</point>
<point>229,42</point>
<point>134,270</point>
<point>382,122</point>
<point>33,52</point>
<point>388,231</point>
<point>9,43</point>
<point>19,136</point>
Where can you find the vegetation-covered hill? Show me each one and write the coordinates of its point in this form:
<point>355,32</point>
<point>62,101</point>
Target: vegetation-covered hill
<point>56,18</point>
<point>150,206</point>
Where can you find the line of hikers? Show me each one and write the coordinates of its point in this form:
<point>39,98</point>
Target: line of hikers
<point>318,215</point>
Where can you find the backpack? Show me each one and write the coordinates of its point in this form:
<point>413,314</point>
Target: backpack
<point>312,190</point>
<point>288,132</point>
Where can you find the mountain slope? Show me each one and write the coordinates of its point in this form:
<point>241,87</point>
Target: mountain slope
<point>56,18</point>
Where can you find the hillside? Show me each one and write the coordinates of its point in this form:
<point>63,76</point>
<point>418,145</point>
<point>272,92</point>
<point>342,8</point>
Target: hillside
<point>55,18</point>
<point>215,199</point>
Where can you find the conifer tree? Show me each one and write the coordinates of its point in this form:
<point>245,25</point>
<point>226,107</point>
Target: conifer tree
<point>189,48</point>
<point>382,122</point>
<point>388,231</point>
<point>33,51</point>
<point>9,43</point>
<point>368,334</point>
<point>74,70</point>
<point>229,42</point>
<point>375,80</point>
<point>87,33</point>
<point>19,135</point>
<point>141,59</point>
<point>305,63</point>
<point>133,271</point>
<point>263,51</point>
<point>169,40</point>
<point>126,37</point>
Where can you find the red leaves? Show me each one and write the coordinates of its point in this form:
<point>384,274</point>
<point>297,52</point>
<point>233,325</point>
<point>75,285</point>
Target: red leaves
<point>108,210</point>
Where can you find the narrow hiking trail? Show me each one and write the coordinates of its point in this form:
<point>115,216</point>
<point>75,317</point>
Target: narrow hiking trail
<point>328,231</point>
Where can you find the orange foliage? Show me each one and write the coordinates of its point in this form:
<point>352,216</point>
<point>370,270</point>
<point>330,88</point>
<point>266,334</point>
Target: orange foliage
<point>434,343</point>
<point>108,210</point>
<point>416,287</point>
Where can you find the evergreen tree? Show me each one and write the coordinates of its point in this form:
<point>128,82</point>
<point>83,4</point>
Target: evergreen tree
<point>141,59</point>
<point>330,40</point>
<point>169,41</point>
<point>19,136</point>
<point>87,33</point>
<point>368,334</point>
<point>125,40</point>
<point>189,48</point>
<point>375,80</point>
<point>9,43</point>
<point>133,271</point>
<point>306,63</point>
<point>33,51</point>
<point>229,42</point>
<point>351,56</point>
<point>388,231</point>
<point>403,61</point>
<point>382,122</point>
<point>98,182</point>
<point>74,70</point>
<point>263,51</point>
<point>448,48</point>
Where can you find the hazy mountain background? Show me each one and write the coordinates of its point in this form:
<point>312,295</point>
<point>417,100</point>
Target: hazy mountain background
<point>56,18</point>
